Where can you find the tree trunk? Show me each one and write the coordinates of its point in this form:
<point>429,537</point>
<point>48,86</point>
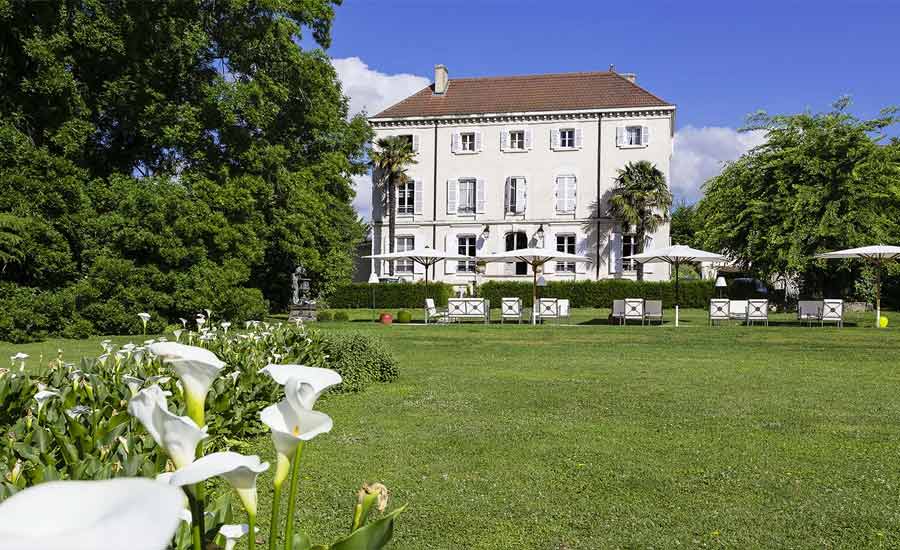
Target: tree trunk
<point>392,222</point>
<point>639,246</point>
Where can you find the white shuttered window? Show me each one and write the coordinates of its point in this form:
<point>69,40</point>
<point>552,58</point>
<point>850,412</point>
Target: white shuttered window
<point>566,189</point>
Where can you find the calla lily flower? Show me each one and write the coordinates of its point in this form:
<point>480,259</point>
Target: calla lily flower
<point>196,367</point>
<point>292,423</point>
<point>178,435</point>
<point>240,471</point>
<point>177,332</point>
<point>225,325</point>
<point>134,383</point>
<point>183,322</point>
<point>20,357</point>
<point>42,397</point>
<point>233,533</point>
<point>91,515</point>
<point>144,316</point>
<point>314,380</point>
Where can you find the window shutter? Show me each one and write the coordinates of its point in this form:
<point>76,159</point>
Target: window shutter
<point>452,196</point>
<point>504,139</point>
<point>419,198</point>
<point>615,253</point>
<point>620,136</point>
<point>550,245</point>
<point>581,249</point>
<point>554,138</point>
<point>556,196</point>
<point>450,247</point>
<point>528,139</point>
<point>480,196</point>
<point>579,138</point>
<point>507,196</point>
<point>415,143</point>
<point>645,136</point>
<point>477,141</point>
<point>571,194</point>
<point>454,142</point>
<point>521,195</point>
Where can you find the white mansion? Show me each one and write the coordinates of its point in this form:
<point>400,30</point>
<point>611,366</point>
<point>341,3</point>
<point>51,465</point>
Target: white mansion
<point>511,162</point>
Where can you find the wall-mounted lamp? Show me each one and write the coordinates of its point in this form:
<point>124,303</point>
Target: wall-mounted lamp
<point>485,232</point>
<point>540,232</point>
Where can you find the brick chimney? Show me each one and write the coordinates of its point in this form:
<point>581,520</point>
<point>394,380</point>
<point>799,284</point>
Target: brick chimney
<point>441,79</point>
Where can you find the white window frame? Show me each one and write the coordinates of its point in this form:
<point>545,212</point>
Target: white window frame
<point>466,266</point>
<point>625,136</point>
<point>510,206</point>
<point>460,208</point>
<point>407,266</point>
<point>560,189</point>
<point>406,198</point>
<point>562,139</point>
<point>568,247</point>
<point>516,137</point>
<point>629,247</point>
<point>634,136</point>
<point>463,145</point>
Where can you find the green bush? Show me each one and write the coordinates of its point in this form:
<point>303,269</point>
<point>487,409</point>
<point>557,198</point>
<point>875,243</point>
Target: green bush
<point>404,316</point>
<point>600,294</point>
<point>324,315</point>
<point>388,295</point>
<point>361,359</point>
<point>341,316</point>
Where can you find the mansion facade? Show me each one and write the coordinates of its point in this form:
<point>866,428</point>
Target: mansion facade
<point>526,161</point>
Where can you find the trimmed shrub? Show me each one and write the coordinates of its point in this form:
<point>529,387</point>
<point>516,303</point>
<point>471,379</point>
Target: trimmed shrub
<point>341,316</point>
<point>404,316</point>
<point>324,315</point>
<point>600,294</point>
<point>387,295</point>
<point>361,359</point>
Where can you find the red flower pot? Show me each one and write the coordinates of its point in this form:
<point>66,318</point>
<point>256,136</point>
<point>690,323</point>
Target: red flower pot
<point>386,318</point>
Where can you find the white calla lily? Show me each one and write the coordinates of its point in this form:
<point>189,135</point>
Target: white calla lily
<point>178,435</point>
<point>91,515</point>
<point>43,396</point>
<point>134,383</point>
<point>239,470</point>
<point>20,357</point>
<point>233,533</point>
<point>291,424</point>
<point>144,316</point>
<point>196,367</point>
<point>314,380</point>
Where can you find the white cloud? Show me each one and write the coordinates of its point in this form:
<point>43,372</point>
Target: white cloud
<point>701,153</point>
<point>372,91</point>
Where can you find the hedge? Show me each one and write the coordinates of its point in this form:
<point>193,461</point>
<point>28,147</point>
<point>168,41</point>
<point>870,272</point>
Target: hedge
<point>387,295</point>
<point>602,293</point>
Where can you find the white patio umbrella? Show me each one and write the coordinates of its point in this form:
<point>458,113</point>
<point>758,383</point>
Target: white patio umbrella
<point>876,255</point>
<point>534,257</point>
<point>423,256</point>
<point>675,255</point>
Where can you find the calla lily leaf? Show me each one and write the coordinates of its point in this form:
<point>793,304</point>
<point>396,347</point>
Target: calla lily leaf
<point>372,536</point>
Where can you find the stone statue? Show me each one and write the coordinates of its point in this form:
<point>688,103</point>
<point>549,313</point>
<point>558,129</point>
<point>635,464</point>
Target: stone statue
<point>295,286</point>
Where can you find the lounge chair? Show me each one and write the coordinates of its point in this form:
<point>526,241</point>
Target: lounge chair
<point>548,308</point>
<point>809,311</point>
<point>737,310</point>
<point>718,310</point>
<point>832,312</point>
<point>634,310</point>
<point>433,313</point>
<point>459,309</point>
<point>758,312</point>
<point>618,311</point>
<point>511,308</point>
<point>563,309</point>
<point>653,311</point>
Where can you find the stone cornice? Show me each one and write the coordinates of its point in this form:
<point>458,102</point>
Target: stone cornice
<point>506,118</point>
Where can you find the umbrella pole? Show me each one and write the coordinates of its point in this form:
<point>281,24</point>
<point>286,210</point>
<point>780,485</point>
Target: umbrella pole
<point>878,294</point>
<point>426,293</point>
<point>676,293</point>
<point>534,304</point>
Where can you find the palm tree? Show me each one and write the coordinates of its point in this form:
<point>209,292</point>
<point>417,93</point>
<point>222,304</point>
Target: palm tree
<point>390,158</point>
<point>641,199</point>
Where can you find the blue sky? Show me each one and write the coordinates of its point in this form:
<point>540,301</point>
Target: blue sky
<point>717,61</point>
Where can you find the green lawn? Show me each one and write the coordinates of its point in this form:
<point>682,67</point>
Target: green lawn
<point>565,437</point>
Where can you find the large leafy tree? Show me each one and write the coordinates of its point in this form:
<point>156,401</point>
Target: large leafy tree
<point>179,137</point>
<point>820,182</point>
<point>391,157</point>
<point>641,199</point>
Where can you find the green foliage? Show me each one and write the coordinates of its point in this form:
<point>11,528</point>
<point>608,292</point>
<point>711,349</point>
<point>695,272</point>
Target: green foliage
<point>170,158</point>
<point>684,223</point>
<point>404,316</point>
<point>361,360</point>
<point>390,158</point>
<point>600,294</point>
<point>341,316</point>
<point>820,182</point>
<point>388,295</point>
<point>324,315</point>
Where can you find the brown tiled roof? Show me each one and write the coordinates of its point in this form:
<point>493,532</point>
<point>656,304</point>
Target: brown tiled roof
<point>516,94</point>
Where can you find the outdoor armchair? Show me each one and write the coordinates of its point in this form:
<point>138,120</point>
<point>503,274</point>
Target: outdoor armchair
<point>618,311</point>
<point>511,308</point>
<point>718,310</point>
<point>832,312</point>
<point>548,308</point>
<point>563,308</point>
<point>433,313</point>
<point>653,311</point>
<point>809,311</point>
<point>634,310</point>
<point>737,309</point>
<point>758,312</point>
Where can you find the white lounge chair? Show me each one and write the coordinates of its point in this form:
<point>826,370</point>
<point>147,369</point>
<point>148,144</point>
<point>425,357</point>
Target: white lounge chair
<point>758,312</point>
<point>618,311</point>
<point>832,312</point>
<point>469,308</point>
<point>737,310</point>
<point>653,311</point>
<point>548,308</point>
<point>809,311</point>
<point>563,309</point>
<point>634,310</point>
<point>718,310</point>
<point>511,308</point>
<point>434,314</point>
